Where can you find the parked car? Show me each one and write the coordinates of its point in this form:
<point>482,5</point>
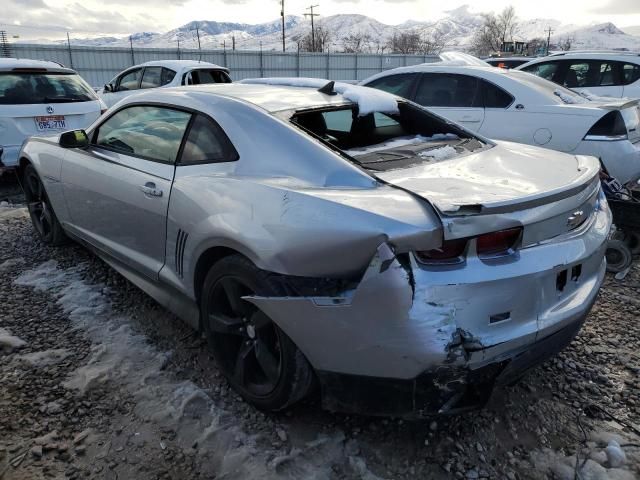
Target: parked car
<point>337,236</point>
<point>164,73</point>
<point>507,62</point>
<point>40,98</point>
<point>520,107</point>
<point>607,74</point>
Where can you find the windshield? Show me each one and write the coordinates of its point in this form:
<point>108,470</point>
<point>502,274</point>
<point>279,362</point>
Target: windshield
<point>554,92</point>
<point>386,141</point>
<point>20,88</point>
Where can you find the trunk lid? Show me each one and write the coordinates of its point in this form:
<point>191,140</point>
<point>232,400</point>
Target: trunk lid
<point>497,181</point>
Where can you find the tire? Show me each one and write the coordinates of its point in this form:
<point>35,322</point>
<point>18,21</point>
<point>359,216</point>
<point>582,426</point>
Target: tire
<point>618,256</point>
<point>258,359</point>
<point>632,240</point>
<point>44,220</point>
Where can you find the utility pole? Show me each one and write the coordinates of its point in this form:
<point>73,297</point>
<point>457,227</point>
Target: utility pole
<point>233,42</point>
<point>5,50</point>
<point>549,32</point>
<point>133,58</point>
<point>198,35</point>
<point>282,15</point>
<point>313,32</point>
<point>178,40</point>
<point>69,47</point>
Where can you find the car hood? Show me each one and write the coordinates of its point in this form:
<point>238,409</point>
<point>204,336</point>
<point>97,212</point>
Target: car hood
<point>505,178</point>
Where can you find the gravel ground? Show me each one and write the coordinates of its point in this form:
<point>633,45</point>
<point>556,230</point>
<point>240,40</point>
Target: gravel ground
<point>98,381</point>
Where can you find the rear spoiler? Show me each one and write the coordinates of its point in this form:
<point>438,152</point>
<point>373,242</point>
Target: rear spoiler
<point>620,105</point>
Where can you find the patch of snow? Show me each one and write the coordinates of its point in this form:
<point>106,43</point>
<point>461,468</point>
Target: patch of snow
<point>401,142</point>
<point>461,59</point>
<point>8,342</point>
<point>126,358</point>
<point>597,98</point>
<point>439,154</point>
<point>369,100</point>
<point>570,98</point>
<point>45,357</point>
<point>615,455</point>
<point>12,262</point>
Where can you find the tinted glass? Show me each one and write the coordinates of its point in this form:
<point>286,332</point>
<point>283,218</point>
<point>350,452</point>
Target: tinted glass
<point>26,88</point>
<point>167,76</point>
<point>446,90</point>
<point>630,73</point>
<point>199,77</point>
<point>494,96</point>
<point>397,84</point>
<point>130,81</point>
<point>336,120</point>
<point>544,70</point>
<point>154,133</point>
<point>151,77</point>
<point>207,143</point>
<point>590,73</point>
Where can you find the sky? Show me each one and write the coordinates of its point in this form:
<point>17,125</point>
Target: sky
<point>32,19</point>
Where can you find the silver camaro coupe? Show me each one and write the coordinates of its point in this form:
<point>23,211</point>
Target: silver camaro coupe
<point>336,238</point>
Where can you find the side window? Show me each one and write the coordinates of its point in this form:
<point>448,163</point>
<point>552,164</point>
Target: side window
<point>167,76</point>
<point>545,70</point>
<point>630,73</point>
<point>494,97</point>
<point>335,120</point>
<point>396,84</point>
<point>207,143</point>
<point>150,132</point>
<point>590,73</point>
<point>151,77</point>
<point>446,90</point>
<point>130,81</point>
<point>202,76</point>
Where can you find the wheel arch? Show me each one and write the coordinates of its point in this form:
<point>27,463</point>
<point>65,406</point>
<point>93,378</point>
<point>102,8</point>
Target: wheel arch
<point>205,261</point>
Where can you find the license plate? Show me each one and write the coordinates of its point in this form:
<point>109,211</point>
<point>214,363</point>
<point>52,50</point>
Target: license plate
<point>53,122</point>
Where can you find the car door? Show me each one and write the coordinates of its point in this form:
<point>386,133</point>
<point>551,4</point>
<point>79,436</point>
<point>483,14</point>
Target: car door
<point>122,86</point>
<point>117,189</point>
<point>497,113</point>
<point>452,95</point>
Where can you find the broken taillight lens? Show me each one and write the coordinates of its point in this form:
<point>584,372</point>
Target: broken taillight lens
<point>498,243</point>
<point>451,252</point>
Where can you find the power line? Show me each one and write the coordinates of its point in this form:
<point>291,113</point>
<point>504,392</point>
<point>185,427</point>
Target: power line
<point>313,32</point>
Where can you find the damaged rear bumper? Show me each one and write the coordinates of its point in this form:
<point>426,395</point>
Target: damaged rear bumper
<point>413,341</point>
<point>445,389</point>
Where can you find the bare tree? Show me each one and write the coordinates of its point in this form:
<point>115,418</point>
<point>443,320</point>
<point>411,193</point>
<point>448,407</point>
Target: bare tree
<point>434,41</point>
<point>315,43</point>
<point>495,31</point>
<point>566,42</point>
<point>405,43</point>
<point>357,43</point>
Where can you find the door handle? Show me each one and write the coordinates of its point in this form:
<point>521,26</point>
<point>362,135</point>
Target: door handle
<point>150,189</point>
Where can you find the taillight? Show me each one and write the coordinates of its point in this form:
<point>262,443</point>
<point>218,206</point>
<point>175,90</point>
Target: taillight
<point>610,127</point>
<point>497,243</point>
<point>450,253</point>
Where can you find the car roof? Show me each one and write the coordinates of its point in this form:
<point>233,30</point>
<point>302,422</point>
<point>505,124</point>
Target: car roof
<point>509,59</point>
<point>181,64</point>
<point>272,98</point>
<point>444,67</point>
<point>9,64</point>
<point>621,56</point>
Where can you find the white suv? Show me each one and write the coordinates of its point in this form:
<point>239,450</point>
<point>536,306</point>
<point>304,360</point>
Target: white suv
<point>162,73</point>
<point>41,98</point>
<point>606,74</point>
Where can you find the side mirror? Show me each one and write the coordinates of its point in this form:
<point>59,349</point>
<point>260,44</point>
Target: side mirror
<point>74,139</point>
<point>108,87</point>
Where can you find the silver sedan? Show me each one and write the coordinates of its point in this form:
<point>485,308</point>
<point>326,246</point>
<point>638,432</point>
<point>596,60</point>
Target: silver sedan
<point>338,238</point>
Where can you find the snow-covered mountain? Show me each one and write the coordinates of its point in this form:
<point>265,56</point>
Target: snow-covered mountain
<point>459,26</point>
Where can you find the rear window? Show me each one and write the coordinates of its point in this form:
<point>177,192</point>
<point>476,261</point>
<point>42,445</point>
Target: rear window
<point>21,88</point>
<point>552,91</point>
<point>204,76</point>
<point>386,141</point>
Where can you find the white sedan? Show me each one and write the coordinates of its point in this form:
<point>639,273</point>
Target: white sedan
<point>520,107</point>
<point>163,73</point>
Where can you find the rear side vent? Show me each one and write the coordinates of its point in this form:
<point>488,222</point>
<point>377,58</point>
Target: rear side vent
<point>181,242</point>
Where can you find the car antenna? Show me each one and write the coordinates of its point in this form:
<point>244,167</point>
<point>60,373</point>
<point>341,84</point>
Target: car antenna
<point>328,88</point>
